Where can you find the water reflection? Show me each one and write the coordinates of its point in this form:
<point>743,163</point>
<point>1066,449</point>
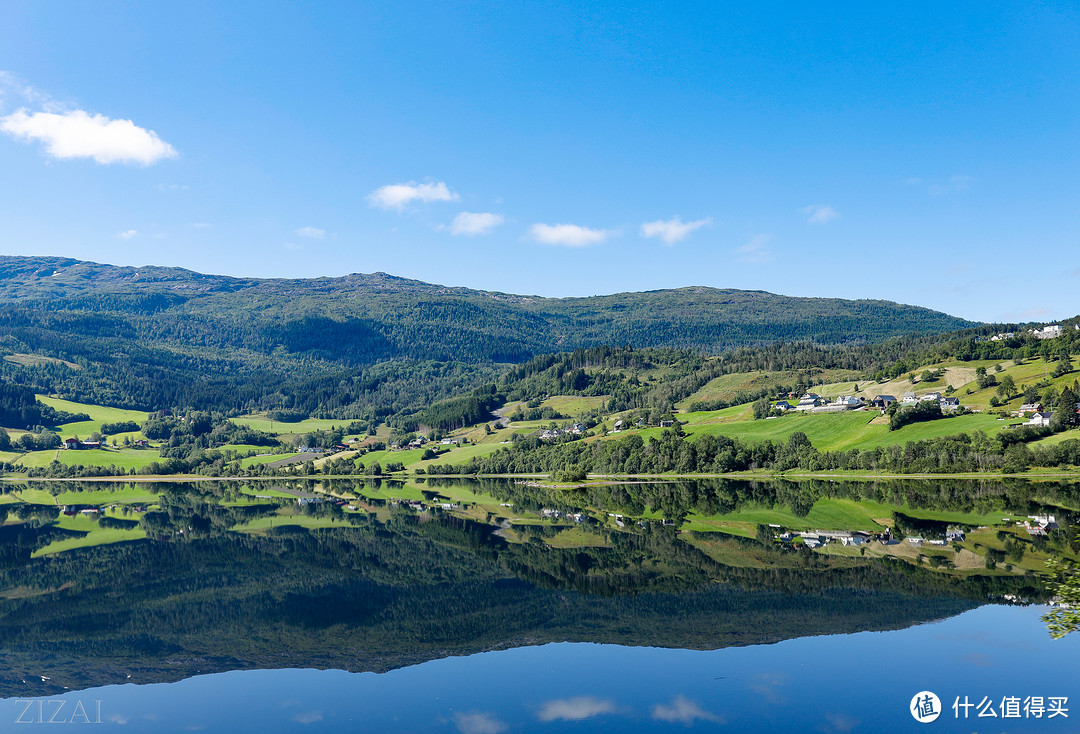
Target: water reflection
<point>106,583</point>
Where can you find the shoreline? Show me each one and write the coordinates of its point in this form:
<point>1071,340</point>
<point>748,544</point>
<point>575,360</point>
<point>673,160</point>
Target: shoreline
<point>539,479</point>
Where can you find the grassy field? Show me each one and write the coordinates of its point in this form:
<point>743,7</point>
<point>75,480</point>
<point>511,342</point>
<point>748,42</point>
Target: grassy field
<point>408,457</point>
<point>573,405</point>
<point>837,431</point>
<point>1057,438</point>
<point>263,423</point>
<point>122,458</point>
<point>244,449</point>
<point>268,458</point>
<point>459,455</point>
<point>98,414</point>
<point>727,387</point>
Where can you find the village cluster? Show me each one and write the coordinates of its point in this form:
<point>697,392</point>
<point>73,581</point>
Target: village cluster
<point>814,403</point>
<point>814,539</point>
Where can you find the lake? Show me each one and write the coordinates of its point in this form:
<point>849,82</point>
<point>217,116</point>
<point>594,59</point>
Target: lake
<point>495,606</point>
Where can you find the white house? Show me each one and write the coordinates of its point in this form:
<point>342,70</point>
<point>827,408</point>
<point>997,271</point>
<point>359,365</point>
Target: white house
<point>1040,420</point>
<point>1049,332</point>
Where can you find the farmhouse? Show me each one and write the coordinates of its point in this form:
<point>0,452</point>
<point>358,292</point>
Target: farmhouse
<point>1040,420</point>
<point>883,401</point>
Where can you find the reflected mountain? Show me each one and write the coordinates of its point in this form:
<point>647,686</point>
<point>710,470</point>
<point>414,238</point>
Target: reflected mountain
<point>215,585</point>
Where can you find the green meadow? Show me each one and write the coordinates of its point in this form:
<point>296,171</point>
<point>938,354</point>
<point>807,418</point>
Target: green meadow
<point>127,458</point>
<point>99,414</point>
<point>263,423</point>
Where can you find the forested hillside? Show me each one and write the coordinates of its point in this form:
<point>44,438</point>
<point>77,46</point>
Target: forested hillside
<point>360,344</point>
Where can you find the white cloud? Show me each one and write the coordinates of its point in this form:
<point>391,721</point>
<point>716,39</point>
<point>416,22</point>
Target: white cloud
<point>478,723</point>
<point>78,134</point>
<point>172,187</point>
<point>820,213</point>
<point>201,225</point>
<point>575,709</point>
<point>684,711</point>
<point>672,230</point>
<point>399,196</point>
<point>127,234</point>
<point>312,233</point>
<point>474,223</point>
<point>569,235</point>
<point>755,251</point>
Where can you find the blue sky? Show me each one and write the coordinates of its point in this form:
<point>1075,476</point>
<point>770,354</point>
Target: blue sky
<point>926,154</point>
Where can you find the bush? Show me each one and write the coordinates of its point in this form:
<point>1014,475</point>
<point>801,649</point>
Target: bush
<point>570,475</point>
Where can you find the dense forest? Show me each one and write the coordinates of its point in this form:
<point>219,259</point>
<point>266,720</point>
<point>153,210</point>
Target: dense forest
<point>720,455</point>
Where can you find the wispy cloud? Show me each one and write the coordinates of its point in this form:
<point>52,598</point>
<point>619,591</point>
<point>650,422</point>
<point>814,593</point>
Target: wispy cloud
<point>575,709</point>
<point>471,224</point>
<point>172,187</point>
<point>127,234</point>
<point>79,134</point>
<point>682,710</point>
<point>311,233</point>
<point>12,86</point>
<point>399,196</point>
<point>820,213</point>
<point>672,230</point>
<point>569,235</point>
<point>202,225</point>
<point>478,722</point>
<point>953,185</point>
<point>756,250</point>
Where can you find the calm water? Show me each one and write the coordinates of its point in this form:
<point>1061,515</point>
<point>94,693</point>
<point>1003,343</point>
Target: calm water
<point>835,683</point>
<point>243,613</point>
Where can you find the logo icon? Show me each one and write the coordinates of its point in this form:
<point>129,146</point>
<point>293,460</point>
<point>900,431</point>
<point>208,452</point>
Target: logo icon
<point>925,707</point>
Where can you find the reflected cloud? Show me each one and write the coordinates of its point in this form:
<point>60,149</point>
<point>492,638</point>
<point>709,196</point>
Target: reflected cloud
<point>575,709</point>
<point>766,685</point>
<point>479,722</point>
<point>978,659</point>
<point>308,718</point>
<point>840,723</point>
<point>684,711</point>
